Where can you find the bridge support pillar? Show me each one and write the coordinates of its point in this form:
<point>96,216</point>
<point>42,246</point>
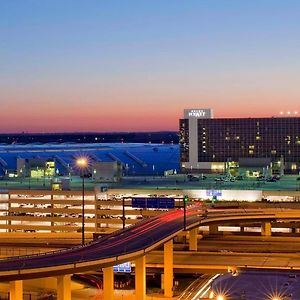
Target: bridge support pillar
<point>266,229</point>
<point>193,241</point>
<point>64,287</point>
<point>16,290</point>
<point>213,229</point>
<point>108,283</point>
<point>140,278</point>
<point>168,269</point>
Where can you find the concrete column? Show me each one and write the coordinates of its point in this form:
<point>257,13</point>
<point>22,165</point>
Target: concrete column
<point>16,290</point>
<point>52,223</point>
<point>96,214</point>
<point>64,287</point>
<point>168,269</point>
<point>140,278</point>
<point>9,207</point>
<point>213,229</point>
<point>108,283</point>
<point>266,229</point>
<point>193,241</point>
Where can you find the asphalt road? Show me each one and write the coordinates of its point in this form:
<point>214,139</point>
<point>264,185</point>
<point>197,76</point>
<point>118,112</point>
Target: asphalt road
<point>251,285</point>
<point>199,288</point>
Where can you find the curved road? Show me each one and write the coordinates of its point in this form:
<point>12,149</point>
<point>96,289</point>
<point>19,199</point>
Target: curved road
<point>120,246</point>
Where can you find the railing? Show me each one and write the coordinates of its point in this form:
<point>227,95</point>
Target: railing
<point>9,252</point>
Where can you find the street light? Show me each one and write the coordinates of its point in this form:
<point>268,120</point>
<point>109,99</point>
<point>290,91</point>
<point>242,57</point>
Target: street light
<point>185,201</point>
<point>82,164</point>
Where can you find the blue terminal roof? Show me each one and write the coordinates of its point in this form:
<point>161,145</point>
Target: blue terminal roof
<point>136,159</point>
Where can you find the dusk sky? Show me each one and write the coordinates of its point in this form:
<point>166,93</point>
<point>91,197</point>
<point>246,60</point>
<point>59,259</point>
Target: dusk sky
<point>135,65</point>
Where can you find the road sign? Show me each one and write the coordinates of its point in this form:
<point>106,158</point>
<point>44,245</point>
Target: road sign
<point>213,193</point>
<point>123,268</point>
<point>153,202</point>
<point>139,202</point>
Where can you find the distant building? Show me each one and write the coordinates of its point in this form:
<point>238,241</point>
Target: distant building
<point>252,146</point>
<point>107,171</point>
<point>59,159</point>
<point>35,167</point>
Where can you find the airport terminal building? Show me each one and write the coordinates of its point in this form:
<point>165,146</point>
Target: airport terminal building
<point>243,146</point>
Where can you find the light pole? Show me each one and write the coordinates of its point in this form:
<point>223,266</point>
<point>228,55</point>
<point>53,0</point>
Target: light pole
<point>82,164</point>
<point>29,184</point>
<point>21,175</point>
<point>185,201</point>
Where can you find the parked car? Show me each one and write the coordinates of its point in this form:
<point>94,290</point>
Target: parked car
<point>191,177</point>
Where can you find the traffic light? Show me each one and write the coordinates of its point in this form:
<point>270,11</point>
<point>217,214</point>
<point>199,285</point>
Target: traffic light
<point>186,199</point>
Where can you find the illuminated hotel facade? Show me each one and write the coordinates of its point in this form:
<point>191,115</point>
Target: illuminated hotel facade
<point>244,146</point>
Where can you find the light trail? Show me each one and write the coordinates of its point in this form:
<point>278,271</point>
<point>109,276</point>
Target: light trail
<point>204,287</point>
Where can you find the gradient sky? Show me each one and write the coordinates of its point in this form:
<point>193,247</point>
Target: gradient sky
<point>135,65</point>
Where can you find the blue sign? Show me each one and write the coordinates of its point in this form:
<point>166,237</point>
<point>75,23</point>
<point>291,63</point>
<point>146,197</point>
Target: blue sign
<point>213,193</point>
<point>154,202</point>
<point>123,268</point>
<point>139,202</point>
<point>166,203</point>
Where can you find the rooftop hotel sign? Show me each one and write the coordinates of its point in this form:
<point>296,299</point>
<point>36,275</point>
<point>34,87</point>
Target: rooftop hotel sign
<point>198,113</point>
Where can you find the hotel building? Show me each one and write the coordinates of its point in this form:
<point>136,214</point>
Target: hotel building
<point>244,146</point>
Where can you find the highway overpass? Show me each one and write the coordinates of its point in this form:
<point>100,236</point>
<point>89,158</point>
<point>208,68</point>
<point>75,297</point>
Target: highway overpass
<point>131,244</point>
